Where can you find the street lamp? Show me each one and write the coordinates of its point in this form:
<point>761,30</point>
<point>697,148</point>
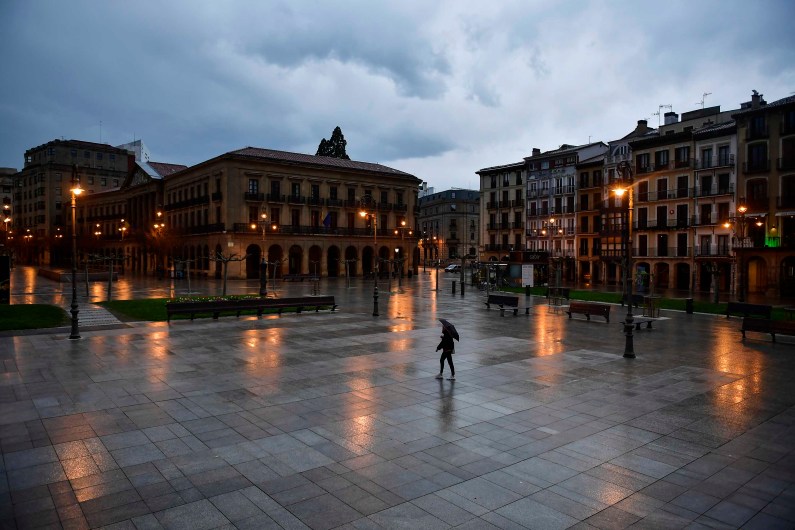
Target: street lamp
<point>741,209</point>
<point>75,191</point>
<point>263,266</point>
<point>626,181</point>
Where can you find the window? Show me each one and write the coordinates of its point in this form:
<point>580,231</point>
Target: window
<point>661,159</point>
<point>682,156</point>
<point>597,177</point>
<point>642,163</point>
<point>399,198</point>
<point>332,192</point>
<point>90,180</point>
<point>681,186</point>
<point>112,157</point>
<point>99,156</point>
<point>315,190</point>
<point>115,183</point>
<point>757,157</point>
<point>253,186</point>
<point>518,178</point>
<point>73,152</point>
<point>505,181</point>
<point>103,181</point>
<point>724,159</point>
<point>295,217</point>
<point>295,189</point>
<point>384,198</point>
<point>276,190</point>
<point>351,195</point>
<point>584,202</point>
<point>757,127</point>
<point>706,157</point>
<point>86,154</point>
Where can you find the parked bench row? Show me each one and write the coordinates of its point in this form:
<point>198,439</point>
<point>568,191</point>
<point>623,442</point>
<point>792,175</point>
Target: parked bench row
<point>217,307</point>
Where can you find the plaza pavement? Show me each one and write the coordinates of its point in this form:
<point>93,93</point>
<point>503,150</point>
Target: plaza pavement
<point>334,420</point>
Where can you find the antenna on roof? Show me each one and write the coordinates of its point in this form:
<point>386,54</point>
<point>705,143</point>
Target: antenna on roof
<point>703,97</point>
<point>100,131</point>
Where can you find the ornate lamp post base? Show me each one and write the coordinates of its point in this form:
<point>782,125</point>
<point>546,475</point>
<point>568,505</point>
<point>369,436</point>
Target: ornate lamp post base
<point>375,301</point>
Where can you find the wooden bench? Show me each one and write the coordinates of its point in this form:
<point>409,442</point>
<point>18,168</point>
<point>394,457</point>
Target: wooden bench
<point>216,307</point>
<point>748,310</point>
<point>505,301</point>
<point>765,325</point>
<point>588,309</point>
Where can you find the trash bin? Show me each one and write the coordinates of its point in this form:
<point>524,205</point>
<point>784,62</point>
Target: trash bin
<point>453,286</point>
<point>527,290</point>
<point>689,306</point>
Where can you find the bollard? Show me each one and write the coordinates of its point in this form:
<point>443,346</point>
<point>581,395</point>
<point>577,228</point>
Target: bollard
<point>527,290</point>
<point>462,288</point>
<point>689,306</point>
<point>375,301</point>
<point>453,286</point>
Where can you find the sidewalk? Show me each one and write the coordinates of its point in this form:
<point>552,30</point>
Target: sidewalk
<point>335,420</point>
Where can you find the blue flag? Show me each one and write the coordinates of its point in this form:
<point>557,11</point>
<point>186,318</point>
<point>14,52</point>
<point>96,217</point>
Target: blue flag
<point>327,220</point>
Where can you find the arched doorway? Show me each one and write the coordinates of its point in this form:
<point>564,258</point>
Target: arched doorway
<point>315,258</point>
<point>384,266</point>
<point>253,255</point>
<point>367,261</point>
<point>642,277</point>
<point>275,254</point>
<point>683,277</point>
<point>757,282</point>
<point>333,262</point>
<point>662,276</point>
<point>351,259</point>
<point>218,266</point>
<point>787,276</point>
<point>294,260</point>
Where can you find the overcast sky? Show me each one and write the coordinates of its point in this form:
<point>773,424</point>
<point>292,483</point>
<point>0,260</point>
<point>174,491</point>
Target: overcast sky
<point>437,89</point>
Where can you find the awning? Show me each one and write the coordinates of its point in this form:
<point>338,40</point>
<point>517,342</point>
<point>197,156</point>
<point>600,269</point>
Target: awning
<point>785,213</point>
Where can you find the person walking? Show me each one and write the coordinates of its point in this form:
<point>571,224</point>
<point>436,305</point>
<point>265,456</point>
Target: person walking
<point>448,349</point>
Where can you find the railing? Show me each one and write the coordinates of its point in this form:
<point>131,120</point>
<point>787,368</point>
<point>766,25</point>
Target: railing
<point>205,229</point>
<point>204,199</point>
<point>713,189</point>
<point>539,212</point>
<point>517,203</point>
<point>517,225</point>
<point>296,199</point>
<point>492,205</point>
<point>713,162</point>
<point>712,251</point>
<point>335,202</point>
<point>663,252</point>
<point>679,164</point>
<point>217,196</point>
<point>756,166</point>
<point>662,195</point>
<point>401,207</point>
<point>315,201</point>
<point>271,197</point>
<point>667,224</point>
<point>250,196</point>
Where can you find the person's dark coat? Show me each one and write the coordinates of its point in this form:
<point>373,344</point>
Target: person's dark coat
<point>446,345</point>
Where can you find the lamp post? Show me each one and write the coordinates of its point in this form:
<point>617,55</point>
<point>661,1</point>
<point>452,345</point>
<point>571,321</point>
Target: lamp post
<point>263,266</point>
<point>75,191</point>
<point>626,182</point>
<point>368,199</point>
<point>741,209</point>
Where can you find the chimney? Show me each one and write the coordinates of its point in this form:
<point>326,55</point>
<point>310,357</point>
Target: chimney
<point>671,117</point>
<point>756,97</point>
<point>643,127</point>
<point>536,151</point>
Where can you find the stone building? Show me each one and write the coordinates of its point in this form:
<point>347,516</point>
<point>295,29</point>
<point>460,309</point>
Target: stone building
<point>449,225</point>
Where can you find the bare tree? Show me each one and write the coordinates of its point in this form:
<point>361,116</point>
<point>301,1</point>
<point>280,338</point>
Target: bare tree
<point>225,259</point>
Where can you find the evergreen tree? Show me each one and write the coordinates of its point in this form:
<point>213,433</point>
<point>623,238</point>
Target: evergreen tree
<point>335,147</point>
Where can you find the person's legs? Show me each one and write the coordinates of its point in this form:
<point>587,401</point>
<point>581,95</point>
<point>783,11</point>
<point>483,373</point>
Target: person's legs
<point>441,366</point>
<point>449,356</point>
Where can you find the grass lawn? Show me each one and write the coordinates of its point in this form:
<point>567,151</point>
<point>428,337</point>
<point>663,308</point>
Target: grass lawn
<point>154,310</point>
<point>31,316</point>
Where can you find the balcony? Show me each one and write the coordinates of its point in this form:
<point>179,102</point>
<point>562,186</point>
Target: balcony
<point>663,252</point>
<point>540,212</point>
<point>400,207</point>
<point>517,225</point>
<point>205,229</point>
<point>335,202</point>
<point>661,224</point>
<point>756,166</point>
<point>662,195</point>
<point>709,251</point>
<point>714,189</point>
<point>517,203</point>
<point>271,197</point>
<point>314,201</point>
<point>711,163</point>
<point>492,205</point>
<point>296,199</point>
<point>253,196</point>
<point>680,164</point>
<point>785,201</point>
<point>786,163</point>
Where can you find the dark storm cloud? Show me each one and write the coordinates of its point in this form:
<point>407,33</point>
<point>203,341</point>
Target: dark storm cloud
<point>435,89</point>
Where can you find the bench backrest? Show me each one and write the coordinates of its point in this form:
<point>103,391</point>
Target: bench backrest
<point>591,307</point>
<point>749,309</point>
<point>503,300</point>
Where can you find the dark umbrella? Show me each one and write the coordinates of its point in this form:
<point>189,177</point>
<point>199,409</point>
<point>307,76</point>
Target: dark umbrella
<point>450,328</point>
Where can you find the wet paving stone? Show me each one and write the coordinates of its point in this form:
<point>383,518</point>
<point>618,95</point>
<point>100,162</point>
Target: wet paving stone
<point>326,420</point>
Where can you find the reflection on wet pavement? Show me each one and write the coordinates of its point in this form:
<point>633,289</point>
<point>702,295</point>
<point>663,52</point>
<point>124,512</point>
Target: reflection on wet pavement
<point>334,419</point>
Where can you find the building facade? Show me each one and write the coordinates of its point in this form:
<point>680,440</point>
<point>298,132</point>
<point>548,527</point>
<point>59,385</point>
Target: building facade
<point>502,210</point>
<point>449,226</point>
<point>766,189</point>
